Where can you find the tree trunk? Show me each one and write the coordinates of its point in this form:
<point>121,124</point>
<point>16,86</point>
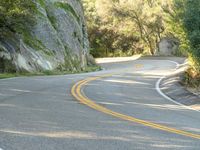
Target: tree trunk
<point>2,65</point>
<point>151,47</point>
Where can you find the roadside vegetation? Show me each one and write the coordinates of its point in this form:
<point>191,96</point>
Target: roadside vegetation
<point>123,27</point>
<point>16,16</point>
<point>189,14</point>
<point>49,73</point>
<point>128,27</point>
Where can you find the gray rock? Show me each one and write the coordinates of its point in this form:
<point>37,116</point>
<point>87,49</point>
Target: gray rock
<point>167,46</point>
<point>58,41</point>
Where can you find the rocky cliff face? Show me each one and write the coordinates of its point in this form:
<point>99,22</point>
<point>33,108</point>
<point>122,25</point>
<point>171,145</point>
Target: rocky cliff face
<point>58,40</point>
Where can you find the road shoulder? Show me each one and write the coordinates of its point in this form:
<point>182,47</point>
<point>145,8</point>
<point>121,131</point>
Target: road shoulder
<point>172,87</point>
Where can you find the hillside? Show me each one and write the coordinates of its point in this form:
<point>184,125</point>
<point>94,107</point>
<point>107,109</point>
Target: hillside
<point>52,37</point>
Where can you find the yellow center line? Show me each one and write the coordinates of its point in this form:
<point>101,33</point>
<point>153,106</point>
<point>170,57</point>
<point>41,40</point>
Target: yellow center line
<point>76,92</point>
<point>138,66</point>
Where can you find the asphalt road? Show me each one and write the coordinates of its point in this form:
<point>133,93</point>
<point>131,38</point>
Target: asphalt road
<point>40,113</point>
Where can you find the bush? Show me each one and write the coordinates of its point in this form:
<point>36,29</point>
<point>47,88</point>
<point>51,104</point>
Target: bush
<point>191,78</point>
<point>16,15</point>
<point>191,21</point>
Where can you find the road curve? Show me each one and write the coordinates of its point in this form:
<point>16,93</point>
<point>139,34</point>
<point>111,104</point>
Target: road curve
<point>41,113</point>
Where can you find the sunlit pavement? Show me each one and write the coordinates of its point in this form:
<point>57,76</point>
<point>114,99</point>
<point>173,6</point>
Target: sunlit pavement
<point>39,113</point>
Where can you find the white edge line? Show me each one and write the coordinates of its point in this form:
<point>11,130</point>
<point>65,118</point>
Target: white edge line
<point>7,79</point>
<point>158,89</point>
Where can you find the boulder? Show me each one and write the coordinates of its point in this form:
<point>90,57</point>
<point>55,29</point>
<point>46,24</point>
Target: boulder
<point>167,46</point>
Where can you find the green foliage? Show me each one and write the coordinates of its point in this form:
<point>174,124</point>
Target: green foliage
<point>7,75</point>
<point>106,42</point>
<point>191,22</point>
<point>184,23</point>
<point>16,15</point>
<point>68,8</point>
<point>104,35</point>
<point>174,24</point>
<point>118,25</point>
<point>42,3</point>
<point>6,66</point>
<point>53,21</point>
<point>49,73</point>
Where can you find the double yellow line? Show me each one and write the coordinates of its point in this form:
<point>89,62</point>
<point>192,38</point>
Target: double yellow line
<point>77,93</point>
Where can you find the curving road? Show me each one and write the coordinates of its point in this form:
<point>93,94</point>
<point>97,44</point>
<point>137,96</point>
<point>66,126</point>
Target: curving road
<point>40,113</point>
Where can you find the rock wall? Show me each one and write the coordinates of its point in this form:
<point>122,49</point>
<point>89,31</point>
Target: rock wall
<point>58,41</point>
<point>167,47</point>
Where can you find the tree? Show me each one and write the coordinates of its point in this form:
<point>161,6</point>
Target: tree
<point>174,10</point>
<point>191,21</point>
<point>148,20</point>
<point>134,25</point>
<point>108,34</point>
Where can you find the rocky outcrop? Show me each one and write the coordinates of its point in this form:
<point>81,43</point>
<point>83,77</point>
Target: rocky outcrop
<point>167,47</point>
<point>58,41</point>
